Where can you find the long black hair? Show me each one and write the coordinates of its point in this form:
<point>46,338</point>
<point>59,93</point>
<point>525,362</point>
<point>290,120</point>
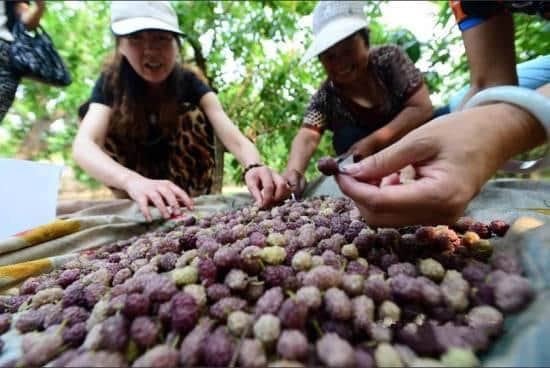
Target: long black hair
<point>365,35</point>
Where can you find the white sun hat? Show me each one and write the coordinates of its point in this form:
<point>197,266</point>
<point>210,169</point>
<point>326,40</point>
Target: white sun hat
<point>133,16</point>
<point>332,22</point>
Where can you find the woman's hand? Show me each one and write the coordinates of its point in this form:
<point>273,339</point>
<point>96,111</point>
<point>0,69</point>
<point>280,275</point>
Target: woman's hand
<point>296,182</point>
<point>266,186</point>
<point>161,193</point>
<point>453,157</point>
<point>30,16</point>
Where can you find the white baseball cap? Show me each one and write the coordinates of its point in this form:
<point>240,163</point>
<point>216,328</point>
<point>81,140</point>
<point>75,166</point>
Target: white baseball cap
<point>134,16</point>
<point>332,22</point>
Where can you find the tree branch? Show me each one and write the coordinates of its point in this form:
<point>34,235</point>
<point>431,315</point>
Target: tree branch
<point>33,143</point>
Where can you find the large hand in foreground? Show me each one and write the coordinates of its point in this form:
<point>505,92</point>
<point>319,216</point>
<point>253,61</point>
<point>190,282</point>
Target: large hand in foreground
<point>266,186</point>
<point>161,193</point>
<point>453,156</point>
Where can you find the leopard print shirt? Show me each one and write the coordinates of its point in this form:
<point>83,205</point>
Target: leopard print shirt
<point>399,79</point>
<point>185,155</point>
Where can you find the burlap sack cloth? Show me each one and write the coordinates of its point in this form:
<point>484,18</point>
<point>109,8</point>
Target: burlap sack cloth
<point>525,203</point>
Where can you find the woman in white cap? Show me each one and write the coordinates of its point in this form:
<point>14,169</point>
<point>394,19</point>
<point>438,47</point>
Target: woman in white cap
<point>456,154</point>
<point>30,16</point>
<point>149,129</point>
<point>372,97</point>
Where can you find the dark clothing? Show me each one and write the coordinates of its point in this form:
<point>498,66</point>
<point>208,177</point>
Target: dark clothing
<point>469,13</point>
<point>10,12</point>
<point>9,80</point>
<point>183,154</point>
<point>397,78</point>
<point>186,156</point>
<point>440,111</point>
<point>193,92</point>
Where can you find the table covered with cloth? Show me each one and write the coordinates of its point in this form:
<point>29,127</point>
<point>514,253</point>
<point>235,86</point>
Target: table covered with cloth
<point>524,203</point>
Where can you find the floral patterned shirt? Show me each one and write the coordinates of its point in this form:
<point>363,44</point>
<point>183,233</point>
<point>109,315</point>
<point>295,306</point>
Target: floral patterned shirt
<point>397,78</point>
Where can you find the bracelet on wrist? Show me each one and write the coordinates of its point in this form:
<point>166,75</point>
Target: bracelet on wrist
<point>250,167</point>
<point>531,101</point>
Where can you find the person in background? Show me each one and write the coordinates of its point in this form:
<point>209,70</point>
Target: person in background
<point>488,34</point>
<point>456,154</point>
<point>372,97</point>
<point>149,130</point>
<point>30,16</point>
<point>532,74</point>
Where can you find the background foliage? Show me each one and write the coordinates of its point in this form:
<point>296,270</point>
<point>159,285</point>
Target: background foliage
<point>264,89</point>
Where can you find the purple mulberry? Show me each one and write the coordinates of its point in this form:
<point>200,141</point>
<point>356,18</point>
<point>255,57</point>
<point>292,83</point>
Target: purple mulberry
<point>270,301</point>
<point>68,277</point>
<point>144,331</point>
<point>216,292</point>
<point>136,305</point>
<point>75,334</point>
<point>217,350</point>
<point>185,312</point>
<point>293,315</point>
<point>292,345</point>
<point>190,349</point>
<point>114,333</point>
<point>207,272</point>
<point>222,308</point>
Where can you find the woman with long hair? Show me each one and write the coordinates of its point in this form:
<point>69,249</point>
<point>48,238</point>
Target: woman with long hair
<point>149,129</point>
<point>371,98</point>
<point>9,12</point>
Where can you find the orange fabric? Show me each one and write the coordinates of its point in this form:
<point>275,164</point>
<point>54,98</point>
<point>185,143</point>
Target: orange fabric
<point>9,275</point>
<point>49,231</point>
<point>460,15</point>
<point>456,7</point>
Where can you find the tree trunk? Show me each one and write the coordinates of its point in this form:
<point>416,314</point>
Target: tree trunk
<point>219,148</point>
<point>33,144</point>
